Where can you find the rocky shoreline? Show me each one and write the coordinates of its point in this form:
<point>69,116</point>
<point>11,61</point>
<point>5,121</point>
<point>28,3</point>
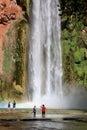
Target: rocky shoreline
<point>51,115</point>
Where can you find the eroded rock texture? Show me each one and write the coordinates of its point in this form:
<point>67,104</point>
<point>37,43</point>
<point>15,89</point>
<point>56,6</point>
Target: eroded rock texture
<point>9,11</point>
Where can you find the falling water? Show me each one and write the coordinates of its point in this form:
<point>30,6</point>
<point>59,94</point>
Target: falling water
<point>45,60</point>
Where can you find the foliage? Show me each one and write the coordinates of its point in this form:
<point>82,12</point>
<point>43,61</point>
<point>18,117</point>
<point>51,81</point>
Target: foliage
<point>15,53</point>
<point>74,42</point>
<point>14,61</point>
<point>20,52</point>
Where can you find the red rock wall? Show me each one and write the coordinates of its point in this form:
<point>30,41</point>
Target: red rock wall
<point>9,11</point>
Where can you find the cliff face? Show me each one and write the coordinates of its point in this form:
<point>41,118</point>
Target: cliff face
<point>13,41</point>
<point>9,11</point>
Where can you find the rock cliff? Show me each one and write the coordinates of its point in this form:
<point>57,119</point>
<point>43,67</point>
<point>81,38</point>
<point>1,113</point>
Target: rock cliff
<point>9,11</point>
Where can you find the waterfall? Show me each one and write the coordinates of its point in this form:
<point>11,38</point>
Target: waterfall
<point>45,58</point>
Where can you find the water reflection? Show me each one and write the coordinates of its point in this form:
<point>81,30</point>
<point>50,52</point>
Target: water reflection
<point>42,125</point>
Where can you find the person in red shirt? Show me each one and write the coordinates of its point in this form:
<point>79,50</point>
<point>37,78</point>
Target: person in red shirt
<point>43,110</point>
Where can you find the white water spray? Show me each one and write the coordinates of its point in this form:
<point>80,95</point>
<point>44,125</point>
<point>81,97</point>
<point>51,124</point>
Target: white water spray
<point>45,60</point>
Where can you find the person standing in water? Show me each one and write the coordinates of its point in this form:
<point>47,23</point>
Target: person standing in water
<point>9,106</point>
<point>43,110</point>
<point>34,111</point>
<point>14,104</point>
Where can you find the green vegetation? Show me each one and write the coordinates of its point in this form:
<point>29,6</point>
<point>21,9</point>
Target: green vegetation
<point>14,65</point>
<point>13,79</point>
<point>20,56</point>
<point>74,49</point>
<point>74,42</point>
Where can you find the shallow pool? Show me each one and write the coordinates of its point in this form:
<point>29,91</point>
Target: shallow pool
<point>42,125</point>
